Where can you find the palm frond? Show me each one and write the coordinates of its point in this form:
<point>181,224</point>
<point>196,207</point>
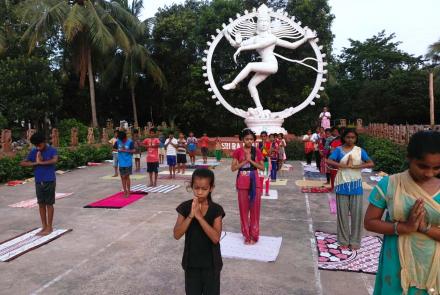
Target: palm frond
<point>42,16</point>
<point>99,34</point>
<point>75,22</point>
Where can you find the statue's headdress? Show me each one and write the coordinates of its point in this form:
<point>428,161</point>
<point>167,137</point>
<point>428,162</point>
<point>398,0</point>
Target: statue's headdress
<point>263,12</point>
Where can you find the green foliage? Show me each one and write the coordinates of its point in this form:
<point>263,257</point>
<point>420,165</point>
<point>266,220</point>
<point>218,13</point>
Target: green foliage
<point>295,150</point>
<point>68,158</point>
<point>11,170</point>
<point>29,90</point>
<point>64,129</point>
<point>387,156</point>
<point>377,75</point>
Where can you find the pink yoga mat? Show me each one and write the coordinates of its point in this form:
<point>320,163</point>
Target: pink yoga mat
<point>116,201</point>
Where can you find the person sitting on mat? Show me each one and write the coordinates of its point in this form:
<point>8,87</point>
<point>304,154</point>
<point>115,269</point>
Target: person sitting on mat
<point>247,160</point>
<point>200,220</point>
<point>126,150</point>
<point>43,158</point>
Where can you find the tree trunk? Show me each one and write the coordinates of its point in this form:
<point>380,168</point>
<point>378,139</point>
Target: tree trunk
<point>133,102</point>
<point>92,88</point>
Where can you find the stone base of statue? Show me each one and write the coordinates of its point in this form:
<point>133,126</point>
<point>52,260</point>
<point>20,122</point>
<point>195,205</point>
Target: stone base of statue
<point>270,125</point>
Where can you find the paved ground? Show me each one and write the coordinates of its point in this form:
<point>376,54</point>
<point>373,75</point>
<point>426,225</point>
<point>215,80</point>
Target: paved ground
<point>132,250</point>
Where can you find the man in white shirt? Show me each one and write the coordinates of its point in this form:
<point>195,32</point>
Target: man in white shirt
<point>171,147</point>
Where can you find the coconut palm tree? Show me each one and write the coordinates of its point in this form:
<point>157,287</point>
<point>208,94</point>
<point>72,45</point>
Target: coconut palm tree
<point>434,52</point>
<point>136,62</point>
<point>90,27</point>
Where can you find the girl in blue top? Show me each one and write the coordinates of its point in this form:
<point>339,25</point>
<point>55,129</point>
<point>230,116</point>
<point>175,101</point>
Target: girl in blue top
<point>350,160</point>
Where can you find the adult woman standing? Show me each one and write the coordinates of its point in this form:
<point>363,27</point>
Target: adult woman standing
<point>350,159</point>
<point>247,160</point>
<point>409,262</point>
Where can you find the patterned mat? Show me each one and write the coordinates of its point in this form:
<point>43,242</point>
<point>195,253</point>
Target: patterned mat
<point>316,190</point>
<point>31,203</point>
<point>332,257</point>
<point>26,242</point>
<point>142,188</point>
<point>313,175</point>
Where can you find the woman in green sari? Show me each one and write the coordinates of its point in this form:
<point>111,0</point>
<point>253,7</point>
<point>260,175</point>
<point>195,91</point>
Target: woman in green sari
<point>410,257</point>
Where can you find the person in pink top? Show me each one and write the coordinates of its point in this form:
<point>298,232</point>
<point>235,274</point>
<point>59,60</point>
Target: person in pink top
<point>204,143</point>
<point>152,145</point>
<point>248,160</point>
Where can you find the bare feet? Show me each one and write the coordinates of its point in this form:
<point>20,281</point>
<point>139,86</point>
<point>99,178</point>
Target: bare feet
<point>116,175</point>
<point>229,86</point>
<point>45,232</point>
<point>41,232</point>
<point>247,242</point>
<point>354,248</point>
<point>252,242</point>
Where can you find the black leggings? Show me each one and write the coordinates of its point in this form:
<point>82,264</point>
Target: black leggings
<point>309,157</point>
<point>318,160</point>
<point>202,281</point>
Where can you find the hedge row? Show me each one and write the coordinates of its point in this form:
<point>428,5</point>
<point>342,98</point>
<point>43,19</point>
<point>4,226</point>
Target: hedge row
<point>68,159</point>
<point>387,156</point>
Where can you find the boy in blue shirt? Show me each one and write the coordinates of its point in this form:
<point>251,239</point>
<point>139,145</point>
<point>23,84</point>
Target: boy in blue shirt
<point>125,148</point>
<point>43,158</point>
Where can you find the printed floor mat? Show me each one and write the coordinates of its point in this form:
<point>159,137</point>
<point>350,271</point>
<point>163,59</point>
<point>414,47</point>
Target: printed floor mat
<point>143,189</point>
<point>17,246</point>
<point>332,257</point>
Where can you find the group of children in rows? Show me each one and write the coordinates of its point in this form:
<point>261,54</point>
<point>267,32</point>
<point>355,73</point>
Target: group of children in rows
<point>409,262</point>
<point>273,150</point>
<point>157,148</point>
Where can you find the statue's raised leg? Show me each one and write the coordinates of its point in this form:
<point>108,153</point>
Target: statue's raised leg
<point>252,86</point>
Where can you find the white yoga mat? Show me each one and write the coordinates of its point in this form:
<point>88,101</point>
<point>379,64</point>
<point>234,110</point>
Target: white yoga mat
<point>266,250</point>
<point>273,195</point>
<point>311,169</point>
<point>26,242</point>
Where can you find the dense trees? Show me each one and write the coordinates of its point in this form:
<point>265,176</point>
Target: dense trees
<point>152,70</point>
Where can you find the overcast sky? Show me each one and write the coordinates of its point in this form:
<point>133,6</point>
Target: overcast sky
<point>416,23</point>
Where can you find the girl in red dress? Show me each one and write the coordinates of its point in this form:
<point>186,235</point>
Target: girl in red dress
<point>247,160</point>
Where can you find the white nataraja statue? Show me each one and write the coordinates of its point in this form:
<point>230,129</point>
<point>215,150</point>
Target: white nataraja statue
<point>264,42</point>
<point>263,35</point>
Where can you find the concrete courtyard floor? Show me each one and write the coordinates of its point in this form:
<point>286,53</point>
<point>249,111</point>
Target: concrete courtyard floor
<point>132,250</point>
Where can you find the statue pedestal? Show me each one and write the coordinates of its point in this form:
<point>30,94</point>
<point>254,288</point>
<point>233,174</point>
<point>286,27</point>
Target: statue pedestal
<point>270,125</point>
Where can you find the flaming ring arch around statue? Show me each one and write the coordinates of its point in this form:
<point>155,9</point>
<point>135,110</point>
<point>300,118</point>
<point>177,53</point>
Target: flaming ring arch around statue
<point>285,20</point>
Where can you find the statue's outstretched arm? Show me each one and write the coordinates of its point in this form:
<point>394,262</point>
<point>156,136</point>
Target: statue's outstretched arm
<point>308,34</point>
<point>234,43</point>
